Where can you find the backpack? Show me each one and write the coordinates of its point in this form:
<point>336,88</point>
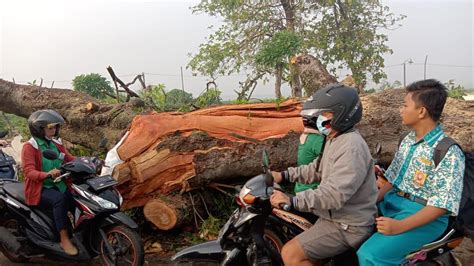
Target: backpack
<point>465,220</point>
<point>7,171</point>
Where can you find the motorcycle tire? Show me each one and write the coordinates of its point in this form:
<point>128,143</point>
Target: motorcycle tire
<point>12,226</point>
<point>117,236</point>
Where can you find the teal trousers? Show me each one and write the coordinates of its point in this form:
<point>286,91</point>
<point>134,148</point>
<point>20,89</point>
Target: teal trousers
<point>382,249</point>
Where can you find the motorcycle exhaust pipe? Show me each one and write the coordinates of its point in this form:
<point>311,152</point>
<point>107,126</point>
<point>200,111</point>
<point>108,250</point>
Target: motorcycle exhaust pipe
<point>8,240</point>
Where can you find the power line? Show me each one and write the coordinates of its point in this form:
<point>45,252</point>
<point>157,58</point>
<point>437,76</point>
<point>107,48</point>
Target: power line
<point>430,64</point>
<point>240,75</point>
<point>192,76</point>
<point>444,65</point>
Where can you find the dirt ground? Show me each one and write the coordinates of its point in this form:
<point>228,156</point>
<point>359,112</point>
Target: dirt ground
<point>465,253</point>
<point>151,259</point>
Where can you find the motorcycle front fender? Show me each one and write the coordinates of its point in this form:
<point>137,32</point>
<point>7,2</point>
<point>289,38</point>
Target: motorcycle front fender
<point>210,250</point>
<point>119,218</point>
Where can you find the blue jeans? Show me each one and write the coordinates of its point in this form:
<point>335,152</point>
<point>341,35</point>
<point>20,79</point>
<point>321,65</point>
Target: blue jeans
<point>52,198</point>
<point>382,249</point>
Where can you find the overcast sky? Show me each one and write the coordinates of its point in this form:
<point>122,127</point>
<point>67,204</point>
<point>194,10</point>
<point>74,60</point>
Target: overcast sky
<point>58,40</point>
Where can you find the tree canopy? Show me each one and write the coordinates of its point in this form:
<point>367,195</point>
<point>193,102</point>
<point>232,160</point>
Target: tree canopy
<point>93,84</point>
<point>261,37</point>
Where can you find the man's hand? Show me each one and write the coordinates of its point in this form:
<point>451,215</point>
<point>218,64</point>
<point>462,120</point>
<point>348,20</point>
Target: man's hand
<point>277,177</point>
<point>279,198</point>
<point>54,173</point>
<point>389,226</point>
<point>3,143</point>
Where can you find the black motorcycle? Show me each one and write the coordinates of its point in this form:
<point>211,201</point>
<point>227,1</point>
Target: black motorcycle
<point>98,228</point>
<point>255,233</point>
<point>8,169</point>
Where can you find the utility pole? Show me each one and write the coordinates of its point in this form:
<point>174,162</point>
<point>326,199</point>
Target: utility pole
<point>404,74</point>
<point>409,61</point>
<point>424,72</point>
<point>182,79</point>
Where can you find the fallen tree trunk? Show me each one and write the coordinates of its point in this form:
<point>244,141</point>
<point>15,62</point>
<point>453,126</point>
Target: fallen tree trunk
<point>87,120</point>
<point>173,152</point>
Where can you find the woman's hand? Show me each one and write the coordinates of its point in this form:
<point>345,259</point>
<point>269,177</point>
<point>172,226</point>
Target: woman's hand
<point>279,198</point>
<point>54,173</point>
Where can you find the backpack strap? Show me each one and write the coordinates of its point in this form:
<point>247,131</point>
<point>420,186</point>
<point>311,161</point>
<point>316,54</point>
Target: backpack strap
<point>442,148</point>
<point>402,136</point>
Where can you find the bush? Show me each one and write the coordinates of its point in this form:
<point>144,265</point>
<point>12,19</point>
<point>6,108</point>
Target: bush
<point>455,91</point>
<point>93,84</point>
<point>209,97</point>
<point>19,124</point>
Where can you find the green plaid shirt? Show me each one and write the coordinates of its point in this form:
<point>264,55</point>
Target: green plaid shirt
<point>413,171</point>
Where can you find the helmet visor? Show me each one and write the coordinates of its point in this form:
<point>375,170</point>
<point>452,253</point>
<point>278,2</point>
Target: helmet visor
<point>52,125</point>
<point>313,112</point>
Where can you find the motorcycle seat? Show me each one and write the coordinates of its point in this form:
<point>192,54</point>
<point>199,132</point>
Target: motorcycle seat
<point>16,190</point>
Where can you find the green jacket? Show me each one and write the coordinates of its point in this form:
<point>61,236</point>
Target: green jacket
<point>308,150</point>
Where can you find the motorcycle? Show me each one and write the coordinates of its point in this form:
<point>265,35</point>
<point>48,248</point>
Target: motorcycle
<point>255,233</point>
<point>8,168</point>
<point>97,227</point>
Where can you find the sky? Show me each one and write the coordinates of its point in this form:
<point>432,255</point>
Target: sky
<point>58,40</point>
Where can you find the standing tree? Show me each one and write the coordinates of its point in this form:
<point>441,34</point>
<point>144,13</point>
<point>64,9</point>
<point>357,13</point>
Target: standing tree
<point>93,84</point>
<point>348,35</point>
<point>251,30</point>
<point>178,98</point>
<point>274,54</point>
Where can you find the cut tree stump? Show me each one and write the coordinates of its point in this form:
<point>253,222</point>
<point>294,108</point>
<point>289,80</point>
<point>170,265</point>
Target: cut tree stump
<point>92,107</point>
<point>168,212</point>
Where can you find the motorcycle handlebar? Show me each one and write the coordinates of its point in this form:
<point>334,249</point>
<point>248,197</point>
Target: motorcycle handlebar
<point>59,178</point>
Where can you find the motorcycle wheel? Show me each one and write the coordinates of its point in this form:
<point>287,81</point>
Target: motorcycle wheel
<point>127,245</point>
<point>196,263</point>
<point>273,240</point>
<point>12,226</point>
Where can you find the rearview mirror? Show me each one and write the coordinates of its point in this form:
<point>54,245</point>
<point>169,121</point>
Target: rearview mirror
<point>103,143</point>
<point>50,154</point>
<point>378,149</point>
<point>265,159</point>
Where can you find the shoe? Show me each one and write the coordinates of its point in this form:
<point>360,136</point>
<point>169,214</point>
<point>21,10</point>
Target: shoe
<point>71,250</point>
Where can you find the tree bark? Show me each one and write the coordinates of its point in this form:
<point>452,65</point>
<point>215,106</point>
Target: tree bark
<point>278,79</point>
<point>295,82</point>
<point>313,74</point>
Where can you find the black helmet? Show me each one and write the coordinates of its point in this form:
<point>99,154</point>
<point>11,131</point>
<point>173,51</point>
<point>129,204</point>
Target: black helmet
<point>339,99</point>
<point>42,119</point>
<point>310,122</point>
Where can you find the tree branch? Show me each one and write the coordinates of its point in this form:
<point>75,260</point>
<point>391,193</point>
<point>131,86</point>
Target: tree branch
<point>122,84</point>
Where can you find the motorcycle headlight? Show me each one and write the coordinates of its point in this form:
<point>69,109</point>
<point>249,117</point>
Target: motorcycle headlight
<point>103,202</point>
<point>120,197</point>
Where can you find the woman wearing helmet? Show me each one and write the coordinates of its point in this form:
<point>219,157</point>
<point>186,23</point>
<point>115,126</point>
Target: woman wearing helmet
<point>40,189</point>
<point>345,199</point>
<point>309,148</point>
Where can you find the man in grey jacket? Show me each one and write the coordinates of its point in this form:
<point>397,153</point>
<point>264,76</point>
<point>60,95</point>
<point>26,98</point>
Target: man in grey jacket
<point>345,201</point>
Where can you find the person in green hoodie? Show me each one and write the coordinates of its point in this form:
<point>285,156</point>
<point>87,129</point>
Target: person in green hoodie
<point>309,148</point>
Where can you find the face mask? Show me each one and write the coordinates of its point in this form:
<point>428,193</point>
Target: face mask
<point>323,129</point>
